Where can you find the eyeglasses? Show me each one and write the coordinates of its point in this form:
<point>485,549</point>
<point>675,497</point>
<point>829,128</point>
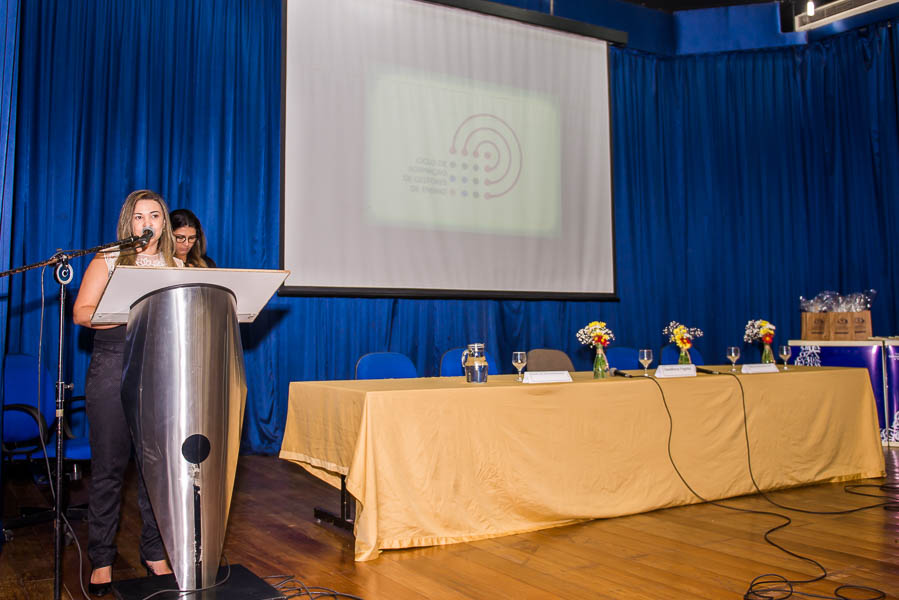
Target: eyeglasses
<point>183,238</point>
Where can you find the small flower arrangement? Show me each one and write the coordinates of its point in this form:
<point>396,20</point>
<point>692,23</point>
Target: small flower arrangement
<point>759,330</point>
<point>681,335</point>
<point>596,333</point>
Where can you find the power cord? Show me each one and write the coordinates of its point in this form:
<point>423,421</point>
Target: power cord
<point>298,589</point>
<point>761,587</point>
<point>892,505</point>
<point>65,520</point>
<point>183,593</point>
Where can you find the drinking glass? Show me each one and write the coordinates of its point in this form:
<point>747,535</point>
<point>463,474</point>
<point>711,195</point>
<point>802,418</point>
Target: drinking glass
<point>519,360</point>
<point>645,358</point>
<point>733,355</point>
<point>784,352</point>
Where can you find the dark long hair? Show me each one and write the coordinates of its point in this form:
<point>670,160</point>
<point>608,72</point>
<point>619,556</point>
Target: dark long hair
<point>185,218</point>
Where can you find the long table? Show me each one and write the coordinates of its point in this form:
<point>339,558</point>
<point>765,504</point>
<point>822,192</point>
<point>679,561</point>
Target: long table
<point>437,461</point>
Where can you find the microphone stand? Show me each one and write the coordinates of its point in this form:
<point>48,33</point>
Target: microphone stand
<point>63,275</point>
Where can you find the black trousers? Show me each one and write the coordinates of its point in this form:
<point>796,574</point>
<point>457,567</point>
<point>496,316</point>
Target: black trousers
<point>110,441</point>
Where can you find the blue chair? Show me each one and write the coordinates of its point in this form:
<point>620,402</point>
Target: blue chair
<point>623,358</point>
<point>671,353</point>
<point>27,423</point>
<point>385,365</point>
<point>451,363</point>
<point>27,426</point>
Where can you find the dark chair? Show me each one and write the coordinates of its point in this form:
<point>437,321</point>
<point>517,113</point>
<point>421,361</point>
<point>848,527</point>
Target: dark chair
<point>27,425</point>
<point>26,420</point>
<point>451,363</point>
<point>671,353</point>
<point>547,359</point>
<point>623,358</point>
<point>29,430</point>
<point>385,365</point>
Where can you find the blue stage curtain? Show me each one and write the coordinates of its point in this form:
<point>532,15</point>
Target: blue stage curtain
<point>8,88</point>
<point>742,180</point>
<point>9,42</point>
<point>179,97</point>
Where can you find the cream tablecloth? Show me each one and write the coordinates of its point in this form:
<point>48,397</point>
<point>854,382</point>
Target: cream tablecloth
<point>438,461</point>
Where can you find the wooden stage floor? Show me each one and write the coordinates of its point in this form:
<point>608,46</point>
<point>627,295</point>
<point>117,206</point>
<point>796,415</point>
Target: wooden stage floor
<point>699,551</point>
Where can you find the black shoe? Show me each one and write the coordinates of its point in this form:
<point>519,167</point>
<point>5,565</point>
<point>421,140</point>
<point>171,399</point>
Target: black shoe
<point>99,589</point>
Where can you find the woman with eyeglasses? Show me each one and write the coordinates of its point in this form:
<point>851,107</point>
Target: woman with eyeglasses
<point>190,241</point>
<point>110,438</point>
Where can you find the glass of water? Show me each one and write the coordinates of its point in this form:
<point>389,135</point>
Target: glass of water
<point>733,355</point>
<point>519,360</point>
<point>784,352</point>
<point>645,358</point>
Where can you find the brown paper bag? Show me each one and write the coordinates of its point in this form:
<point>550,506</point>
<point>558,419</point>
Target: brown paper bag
<point>861,325</point>
<point>815,326</point>
<point>840,326</point>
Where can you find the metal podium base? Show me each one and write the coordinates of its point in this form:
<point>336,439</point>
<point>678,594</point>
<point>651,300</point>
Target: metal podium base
<point>242,584</point>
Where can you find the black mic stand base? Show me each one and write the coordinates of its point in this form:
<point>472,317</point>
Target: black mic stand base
<point>242,584</point>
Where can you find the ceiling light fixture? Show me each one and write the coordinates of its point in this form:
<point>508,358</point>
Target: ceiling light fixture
<point>810,8</point>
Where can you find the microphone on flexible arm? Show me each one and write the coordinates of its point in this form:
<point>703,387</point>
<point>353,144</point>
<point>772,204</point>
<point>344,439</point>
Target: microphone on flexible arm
<point>141,240</point>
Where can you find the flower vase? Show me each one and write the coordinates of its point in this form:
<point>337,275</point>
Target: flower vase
<point>600,364</point>
<point>684,358</point>
<point>767,354</point>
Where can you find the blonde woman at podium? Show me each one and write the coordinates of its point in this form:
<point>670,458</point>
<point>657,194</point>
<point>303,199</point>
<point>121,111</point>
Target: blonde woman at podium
<point>143,213</point>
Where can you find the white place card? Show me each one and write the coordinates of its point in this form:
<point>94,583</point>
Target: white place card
<point>547,377</point>
<point>751,368</point>
<point>665,371</point>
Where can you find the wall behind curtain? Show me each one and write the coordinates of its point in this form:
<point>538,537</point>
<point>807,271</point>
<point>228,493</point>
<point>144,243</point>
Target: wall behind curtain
<point>742,180</point>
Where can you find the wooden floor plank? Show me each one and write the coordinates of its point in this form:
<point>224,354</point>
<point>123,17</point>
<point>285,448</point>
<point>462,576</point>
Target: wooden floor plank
<point>696,551</point>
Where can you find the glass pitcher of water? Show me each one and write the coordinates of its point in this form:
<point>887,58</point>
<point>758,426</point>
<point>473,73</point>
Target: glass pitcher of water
<point>474,361</point>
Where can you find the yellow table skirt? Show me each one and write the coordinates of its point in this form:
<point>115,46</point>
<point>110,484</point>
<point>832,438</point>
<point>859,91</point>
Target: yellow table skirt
<point>437,460</point>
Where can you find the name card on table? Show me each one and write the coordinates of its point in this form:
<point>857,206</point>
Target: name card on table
<point>751,368</point>
<point>665,371</point>
<point>547,377</point>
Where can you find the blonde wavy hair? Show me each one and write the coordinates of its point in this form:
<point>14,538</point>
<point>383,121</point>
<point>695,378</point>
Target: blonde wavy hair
<point>166,244</point>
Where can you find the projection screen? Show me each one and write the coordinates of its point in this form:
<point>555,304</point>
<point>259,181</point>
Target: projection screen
<point>430,150</point>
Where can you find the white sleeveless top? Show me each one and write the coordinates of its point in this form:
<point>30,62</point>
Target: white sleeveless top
<point>141,260</point>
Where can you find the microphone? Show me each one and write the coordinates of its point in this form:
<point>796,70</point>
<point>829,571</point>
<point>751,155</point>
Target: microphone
<point>146,236</point>
<point>141,240</point>
<point>618,373</point>
<point>708,371</point>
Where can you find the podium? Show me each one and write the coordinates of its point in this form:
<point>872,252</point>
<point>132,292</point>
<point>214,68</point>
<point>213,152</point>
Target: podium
<point>184,391</point>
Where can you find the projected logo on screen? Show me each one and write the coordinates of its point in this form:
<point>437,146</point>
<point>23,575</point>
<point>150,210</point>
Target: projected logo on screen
<point>453,155</point>
<point>491,138</point>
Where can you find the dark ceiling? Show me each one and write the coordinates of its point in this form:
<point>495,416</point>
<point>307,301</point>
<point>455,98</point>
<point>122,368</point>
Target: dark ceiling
<point>674,5</point>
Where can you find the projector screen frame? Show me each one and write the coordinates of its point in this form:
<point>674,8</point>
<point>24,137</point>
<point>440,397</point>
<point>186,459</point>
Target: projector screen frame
<point>486,7</point>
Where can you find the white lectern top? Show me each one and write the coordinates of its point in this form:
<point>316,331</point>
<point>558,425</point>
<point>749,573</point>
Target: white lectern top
<point>253,288</point>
